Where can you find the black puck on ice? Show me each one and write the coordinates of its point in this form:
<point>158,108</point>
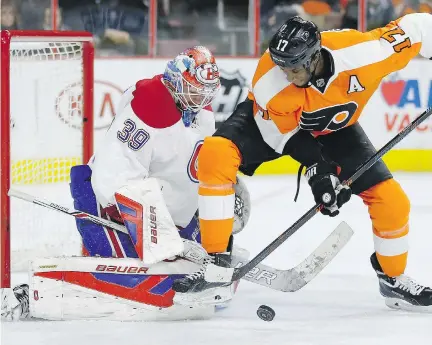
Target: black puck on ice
<point>266,313</point>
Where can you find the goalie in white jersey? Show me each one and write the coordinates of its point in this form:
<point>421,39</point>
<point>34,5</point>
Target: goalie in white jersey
<point>144,176</point>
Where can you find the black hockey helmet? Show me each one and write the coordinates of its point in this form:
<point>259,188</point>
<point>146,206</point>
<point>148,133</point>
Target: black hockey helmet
<point>295,44</point>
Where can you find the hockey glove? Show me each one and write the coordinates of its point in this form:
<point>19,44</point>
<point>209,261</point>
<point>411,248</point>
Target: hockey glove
<point>326,187</point>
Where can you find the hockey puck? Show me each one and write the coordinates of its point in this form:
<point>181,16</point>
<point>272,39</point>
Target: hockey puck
<point>266,313</point>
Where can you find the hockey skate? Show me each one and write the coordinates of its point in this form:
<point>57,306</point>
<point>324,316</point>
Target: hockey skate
<point>194,289</point>
<point>15,303</point>
<point>402,292</point>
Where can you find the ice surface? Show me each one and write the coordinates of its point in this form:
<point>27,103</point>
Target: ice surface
<point>340,306</point>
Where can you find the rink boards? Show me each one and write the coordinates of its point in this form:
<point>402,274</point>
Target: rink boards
<point>399,99</point>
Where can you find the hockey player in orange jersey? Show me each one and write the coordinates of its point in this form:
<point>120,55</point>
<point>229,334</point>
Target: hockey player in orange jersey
<point>307,94</point>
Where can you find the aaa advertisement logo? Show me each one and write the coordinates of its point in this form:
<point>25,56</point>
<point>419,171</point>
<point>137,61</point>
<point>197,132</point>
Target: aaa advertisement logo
<point>409,98</point>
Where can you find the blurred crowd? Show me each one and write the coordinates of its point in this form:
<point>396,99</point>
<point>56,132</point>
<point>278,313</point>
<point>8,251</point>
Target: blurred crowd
<point>121,27</point>
<point>337,14</point>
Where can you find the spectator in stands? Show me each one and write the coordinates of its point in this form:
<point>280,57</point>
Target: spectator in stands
<point>183,23</point>
<point>47,23</point>
<point>9,16</point>
<point>425,6</point>
<point>273,14</point>
<point>326,14</point>
<point>231,35</point>
<point>32,13</point>
<point>350,15</point>
<point>411,6</point>
<point>118,26</point>
<point>379,13</point>
<point>177,19</point>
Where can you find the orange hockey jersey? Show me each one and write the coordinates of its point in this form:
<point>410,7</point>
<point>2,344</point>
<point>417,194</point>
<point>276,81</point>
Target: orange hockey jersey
<point>361,61</point>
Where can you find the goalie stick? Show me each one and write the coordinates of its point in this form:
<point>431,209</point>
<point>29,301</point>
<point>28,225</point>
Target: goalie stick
<point>282,280</point>
<point>74,213</point>
<point>213,274</point>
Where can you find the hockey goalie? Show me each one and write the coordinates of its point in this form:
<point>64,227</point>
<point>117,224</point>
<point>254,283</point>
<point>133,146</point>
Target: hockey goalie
<point>144,176</point>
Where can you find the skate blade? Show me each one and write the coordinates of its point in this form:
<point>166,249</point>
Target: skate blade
<point>399,304</point>
<point>217,296</point>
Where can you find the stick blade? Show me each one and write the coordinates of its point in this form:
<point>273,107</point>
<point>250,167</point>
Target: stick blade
<point>295,278</point>
<point>309,268</point>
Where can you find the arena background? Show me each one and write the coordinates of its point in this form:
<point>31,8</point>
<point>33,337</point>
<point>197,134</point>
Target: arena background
<point>399,99</point>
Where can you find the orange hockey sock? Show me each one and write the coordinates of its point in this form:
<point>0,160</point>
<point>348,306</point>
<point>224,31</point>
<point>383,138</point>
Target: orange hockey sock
<point>389,209</point>
<point>218,163</point>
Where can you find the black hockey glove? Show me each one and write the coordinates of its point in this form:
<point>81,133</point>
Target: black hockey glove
<point>326,187</point>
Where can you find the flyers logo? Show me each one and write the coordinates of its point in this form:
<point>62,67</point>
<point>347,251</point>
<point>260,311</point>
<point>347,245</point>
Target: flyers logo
<point>192,168</point>
<point>328,119</point>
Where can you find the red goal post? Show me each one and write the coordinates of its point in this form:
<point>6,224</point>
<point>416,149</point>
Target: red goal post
<point>46,123</point>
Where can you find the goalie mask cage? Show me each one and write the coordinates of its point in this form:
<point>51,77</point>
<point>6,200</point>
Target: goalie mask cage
<point>46,128</point>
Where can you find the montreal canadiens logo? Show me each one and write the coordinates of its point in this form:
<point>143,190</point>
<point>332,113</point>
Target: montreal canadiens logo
<point>192,167</point>
<point>207,74</point>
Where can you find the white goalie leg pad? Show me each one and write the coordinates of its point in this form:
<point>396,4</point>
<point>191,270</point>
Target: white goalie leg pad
<point>86,288</point>
<point>143,209</point>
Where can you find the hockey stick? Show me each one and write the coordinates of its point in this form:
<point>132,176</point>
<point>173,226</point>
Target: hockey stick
<point>282,280</point>
<point>77,214</point>
<point>231,274</point>
<point>295,278</point>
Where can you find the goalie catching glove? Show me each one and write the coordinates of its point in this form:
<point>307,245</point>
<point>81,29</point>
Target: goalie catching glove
<point>326,187</point>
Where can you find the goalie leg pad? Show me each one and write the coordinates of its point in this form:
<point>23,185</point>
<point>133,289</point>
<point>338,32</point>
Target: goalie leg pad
<point>108,288</point>
<point>97,240</point>
<point>191,231</point>
<point>94,239</point>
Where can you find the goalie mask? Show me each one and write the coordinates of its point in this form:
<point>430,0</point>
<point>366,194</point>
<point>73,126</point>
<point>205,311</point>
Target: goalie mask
<point>193,80</point>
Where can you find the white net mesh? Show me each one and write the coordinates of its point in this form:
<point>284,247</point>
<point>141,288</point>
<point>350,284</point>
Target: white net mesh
<point>46,89</point>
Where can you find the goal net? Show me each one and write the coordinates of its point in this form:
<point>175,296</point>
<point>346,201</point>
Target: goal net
<point>46,128</point>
